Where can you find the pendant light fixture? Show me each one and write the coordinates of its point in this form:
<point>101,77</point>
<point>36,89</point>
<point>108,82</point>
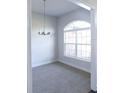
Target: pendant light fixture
<point>44,21</point>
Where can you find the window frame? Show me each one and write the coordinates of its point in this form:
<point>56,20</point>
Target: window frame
<point>76,44</point>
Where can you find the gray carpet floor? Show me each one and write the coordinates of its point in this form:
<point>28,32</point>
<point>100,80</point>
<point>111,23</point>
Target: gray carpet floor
<point>60,78</point>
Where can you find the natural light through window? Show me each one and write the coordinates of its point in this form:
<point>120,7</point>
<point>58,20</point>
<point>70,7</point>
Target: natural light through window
<point>77,40</point>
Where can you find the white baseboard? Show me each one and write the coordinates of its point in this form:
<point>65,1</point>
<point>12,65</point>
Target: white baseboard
<point>43,63</point>
<point>67,63</point>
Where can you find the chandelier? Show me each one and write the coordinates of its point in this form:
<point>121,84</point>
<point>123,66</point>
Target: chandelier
<point>44,21</point>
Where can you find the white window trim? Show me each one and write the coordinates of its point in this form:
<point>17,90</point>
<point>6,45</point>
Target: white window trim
<point>74,30</point>
<point>75,57</point>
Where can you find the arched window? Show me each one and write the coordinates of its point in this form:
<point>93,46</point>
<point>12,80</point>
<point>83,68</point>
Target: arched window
<point>77,40</point>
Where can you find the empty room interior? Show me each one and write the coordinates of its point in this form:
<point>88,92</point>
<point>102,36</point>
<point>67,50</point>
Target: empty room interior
<point>63,47</point>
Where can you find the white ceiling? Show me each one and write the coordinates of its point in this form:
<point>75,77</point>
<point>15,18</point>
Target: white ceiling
<point>54,7</point>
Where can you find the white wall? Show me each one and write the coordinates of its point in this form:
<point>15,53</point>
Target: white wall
<point>94,51</point>
<point>79,14</point>
<point>29,66</point>
<point>43,48</point>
